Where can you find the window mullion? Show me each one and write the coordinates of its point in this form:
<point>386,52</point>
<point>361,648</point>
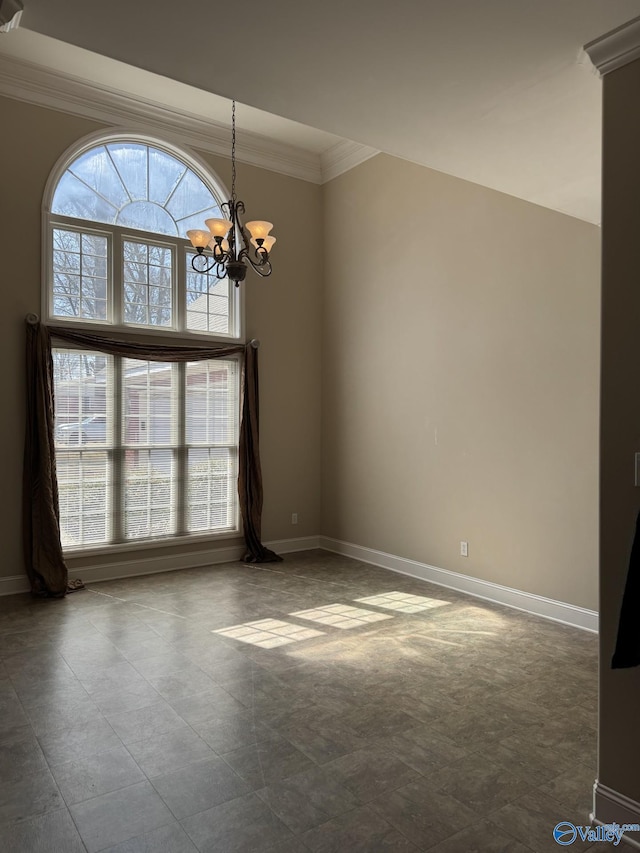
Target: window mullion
<point>118,483</point>
<point>180,288</point>
<point>181,453</point>
<point>117,296</point>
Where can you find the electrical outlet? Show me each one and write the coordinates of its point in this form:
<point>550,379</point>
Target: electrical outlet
<point>464,549</point>
<point>294,518</point>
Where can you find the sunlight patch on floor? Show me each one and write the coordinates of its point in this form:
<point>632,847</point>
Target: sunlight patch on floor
<point>341,616</point>
<point>402,602</point>
<point>268,633</point>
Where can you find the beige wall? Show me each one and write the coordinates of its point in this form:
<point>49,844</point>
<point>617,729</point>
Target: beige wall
<point>460,375</point>
<point>619,743</point>
<point>283,311</point>
<point>460,379</point>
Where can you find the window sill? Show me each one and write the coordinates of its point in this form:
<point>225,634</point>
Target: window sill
<point>147,544</point>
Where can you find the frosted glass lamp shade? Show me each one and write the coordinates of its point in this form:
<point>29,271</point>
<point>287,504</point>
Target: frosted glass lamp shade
<point>267,243</point>
<point>218,227</point>
<point>258,228</point>
<point>199,239</point>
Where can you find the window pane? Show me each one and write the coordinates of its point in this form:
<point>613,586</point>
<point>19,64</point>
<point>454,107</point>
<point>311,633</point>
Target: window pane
<point>96,245</point>
<point>147,280</point>
<point>190,196</point>
<point>149,403</point>
<point>79,275</point>
<point>149,482</point>
<point>96,169</point>
<point>208,304</point>
<point>83,388</point>
<point>211,489</point>
<point>73,198</point>
<point>211,418</point>
<point>135,186</point>
<point>83,486</point>
<point>164,173</point>
<point>66,241</point>
<point>147,216</point>
<point>211,402</point>
<point>131,162</point>
<point>66,306</point>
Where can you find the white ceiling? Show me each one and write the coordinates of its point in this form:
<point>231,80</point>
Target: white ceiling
<point>493,91</point>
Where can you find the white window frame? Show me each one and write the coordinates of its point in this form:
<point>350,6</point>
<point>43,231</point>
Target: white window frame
<point>49,220</point>
<point>182,252</point>
<point>177,334</point>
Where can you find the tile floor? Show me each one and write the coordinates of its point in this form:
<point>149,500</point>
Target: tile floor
<point>319,704</point>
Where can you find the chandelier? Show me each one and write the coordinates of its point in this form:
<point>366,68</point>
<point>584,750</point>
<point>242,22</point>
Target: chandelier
<point>227,240</point>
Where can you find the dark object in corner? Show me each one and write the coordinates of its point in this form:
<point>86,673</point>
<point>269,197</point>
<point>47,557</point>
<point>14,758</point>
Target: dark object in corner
<point>627,651</point>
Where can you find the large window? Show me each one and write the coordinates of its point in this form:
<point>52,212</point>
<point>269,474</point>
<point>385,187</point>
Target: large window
<point>145,450</point>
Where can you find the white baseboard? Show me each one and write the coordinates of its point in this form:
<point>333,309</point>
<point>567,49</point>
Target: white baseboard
<point>558,611</point>
<point>14,584</point>
<point>170,563</point>
<point>288,546</point>
<point>611,807</point>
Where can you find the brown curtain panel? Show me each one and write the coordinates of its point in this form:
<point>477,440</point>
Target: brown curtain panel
<point>44,560</point>
<point>249,473</point>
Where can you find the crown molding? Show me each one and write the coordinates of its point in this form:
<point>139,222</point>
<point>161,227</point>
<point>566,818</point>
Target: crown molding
<point>342,157</point>
<point>35,84</point>
<point>616,48</point>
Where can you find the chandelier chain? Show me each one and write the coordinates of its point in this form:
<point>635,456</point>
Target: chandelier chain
<point>230,252</point>
<point>233,152</point>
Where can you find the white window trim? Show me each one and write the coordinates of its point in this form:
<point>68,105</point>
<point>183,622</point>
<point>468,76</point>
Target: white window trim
<point>170,540</point>
<point>210,178</point>
<point>116,235</point>
<point>194,162</point>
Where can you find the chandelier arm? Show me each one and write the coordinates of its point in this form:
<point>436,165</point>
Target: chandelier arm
<point>208,263</point>
<point>261,256</point>
<point>220,256</point>
<point>263,268</point>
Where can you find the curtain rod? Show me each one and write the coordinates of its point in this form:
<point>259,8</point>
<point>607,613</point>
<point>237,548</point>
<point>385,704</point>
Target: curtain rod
<point>34,319</point>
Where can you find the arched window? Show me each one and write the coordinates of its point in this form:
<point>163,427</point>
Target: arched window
<point>118,252</point>
<point>145,450</point>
